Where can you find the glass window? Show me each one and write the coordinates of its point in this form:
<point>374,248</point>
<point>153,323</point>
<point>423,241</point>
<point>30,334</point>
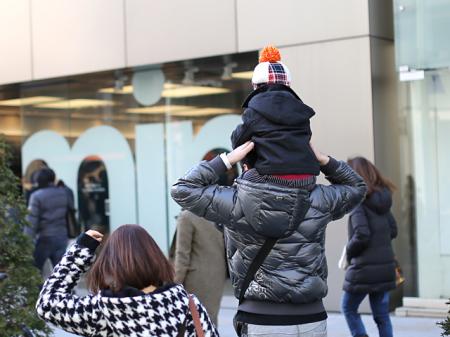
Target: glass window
<point>427,112</point>
<point>421,33</point>
<point>120,139</point>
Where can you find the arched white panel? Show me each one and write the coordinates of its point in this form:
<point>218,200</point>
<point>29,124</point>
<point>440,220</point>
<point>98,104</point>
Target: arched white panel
<point>214,134</point>
<point>112,147</point>
<point>54,149</point>
<point>184,151</point>
<point>151,182</point>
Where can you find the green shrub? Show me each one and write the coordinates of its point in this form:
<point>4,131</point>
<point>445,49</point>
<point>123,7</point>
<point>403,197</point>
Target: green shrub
<point>20,290</point>
<point>445,325</point>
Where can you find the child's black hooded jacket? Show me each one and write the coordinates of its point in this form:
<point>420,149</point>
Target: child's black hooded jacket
<point>277,121</point>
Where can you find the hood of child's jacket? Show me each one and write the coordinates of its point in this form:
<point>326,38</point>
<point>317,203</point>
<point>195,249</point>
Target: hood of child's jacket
<point>281,107</point>
<point>272,211</point>
<point>379,201</point>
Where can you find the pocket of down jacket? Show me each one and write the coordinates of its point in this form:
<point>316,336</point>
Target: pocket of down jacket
<point>273,223</point>
<point>285,221</point>
<point>272,213</point>
<point>278,222</point>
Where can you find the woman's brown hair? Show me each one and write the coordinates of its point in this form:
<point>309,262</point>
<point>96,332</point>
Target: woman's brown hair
<point>130,257</point>
<point>371,175</point>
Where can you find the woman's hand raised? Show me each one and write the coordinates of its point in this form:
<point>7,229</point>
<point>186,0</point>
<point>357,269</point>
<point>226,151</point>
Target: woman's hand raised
<point>240,152</point>
<point>95,235</point>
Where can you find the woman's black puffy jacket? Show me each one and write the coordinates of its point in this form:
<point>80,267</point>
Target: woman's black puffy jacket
<point>371,228</point>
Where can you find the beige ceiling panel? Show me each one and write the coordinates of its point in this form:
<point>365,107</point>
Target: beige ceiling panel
<point>73,37</point>
<point>15,42</point>
<point>291,22</point>
<point>169,30</point>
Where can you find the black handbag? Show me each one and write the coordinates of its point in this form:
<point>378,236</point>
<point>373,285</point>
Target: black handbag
<point>73,227</point>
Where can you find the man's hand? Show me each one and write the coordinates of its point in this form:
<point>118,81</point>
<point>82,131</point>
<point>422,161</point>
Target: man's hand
<point>240,152</point>
<point>321,158</point>
<point>95,235</point>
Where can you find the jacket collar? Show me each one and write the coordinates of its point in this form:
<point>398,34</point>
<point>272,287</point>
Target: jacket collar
<point>128,291</point>
<point>269,87</point>
<point>253,176</point>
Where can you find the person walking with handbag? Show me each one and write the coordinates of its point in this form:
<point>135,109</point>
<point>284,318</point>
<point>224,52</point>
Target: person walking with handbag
<point>132,290</point>
<point>47,216</point>
<point>371,261</point>
<point>275,238</point>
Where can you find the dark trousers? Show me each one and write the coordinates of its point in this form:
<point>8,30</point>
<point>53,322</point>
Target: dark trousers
<point>379,303</point>
<point>52,248</point>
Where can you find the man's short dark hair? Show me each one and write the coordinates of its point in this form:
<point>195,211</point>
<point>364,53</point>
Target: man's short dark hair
<point>45,177</point>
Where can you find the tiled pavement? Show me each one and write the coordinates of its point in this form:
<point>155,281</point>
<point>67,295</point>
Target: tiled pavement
<point>403,326</point>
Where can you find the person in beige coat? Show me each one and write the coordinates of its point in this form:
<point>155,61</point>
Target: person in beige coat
<point>200,262</point>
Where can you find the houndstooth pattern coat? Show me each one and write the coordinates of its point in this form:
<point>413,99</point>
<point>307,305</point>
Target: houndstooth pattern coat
<point>154,314</point>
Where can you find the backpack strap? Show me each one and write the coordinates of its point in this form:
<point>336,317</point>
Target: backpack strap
<point>255,265</point>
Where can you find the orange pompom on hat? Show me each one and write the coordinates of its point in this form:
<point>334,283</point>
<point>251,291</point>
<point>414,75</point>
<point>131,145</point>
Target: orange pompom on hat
<point>270,68</point>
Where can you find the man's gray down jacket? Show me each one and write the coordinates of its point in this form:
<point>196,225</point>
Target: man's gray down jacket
<point>295,271</point>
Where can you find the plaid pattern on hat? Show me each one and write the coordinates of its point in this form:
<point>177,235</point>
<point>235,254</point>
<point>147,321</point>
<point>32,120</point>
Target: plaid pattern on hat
<point>271,72</point>
<point>277,74</point>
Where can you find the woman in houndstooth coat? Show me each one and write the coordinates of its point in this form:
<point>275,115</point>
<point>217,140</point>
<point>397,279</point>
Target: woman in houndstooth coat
<point>133,293</point>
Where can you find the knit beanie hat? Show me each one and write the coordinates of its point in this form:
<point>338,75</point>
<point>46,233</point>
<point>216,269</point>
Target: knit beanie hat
<point>270,69</point>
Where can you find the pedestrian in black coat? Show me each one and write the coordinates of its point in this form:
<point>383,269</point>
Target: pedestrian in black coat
<point>48,209</point>
<point>369,251</point>
<point>371,270</point>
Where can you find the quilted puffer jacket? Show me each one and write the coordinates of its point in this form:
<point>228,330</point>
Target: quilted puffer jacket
<point>371,228</point>
<point>295,271</point>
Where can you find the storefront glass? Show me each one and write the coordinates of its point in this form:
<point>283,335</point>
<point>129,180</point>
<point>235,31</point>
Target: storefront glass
<point>421,33</point>
<point>426,108</point>
<point>120,139</point>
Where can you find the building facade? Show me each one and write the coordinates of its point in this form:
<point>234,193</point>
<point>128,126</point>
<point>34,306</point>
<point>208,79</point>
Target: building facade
<point>120,97</point>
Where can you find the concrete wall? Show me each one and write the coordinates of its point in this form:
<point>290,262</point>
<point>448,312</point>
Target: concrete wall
<point>341,99</point>
<point>51,38</point>
<point>381,19</point>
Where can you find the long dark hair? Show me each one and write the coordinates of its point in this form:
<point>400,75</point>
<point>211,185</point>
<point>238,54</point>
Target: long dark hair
<point>371,175</point>
<point>130,257</point>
